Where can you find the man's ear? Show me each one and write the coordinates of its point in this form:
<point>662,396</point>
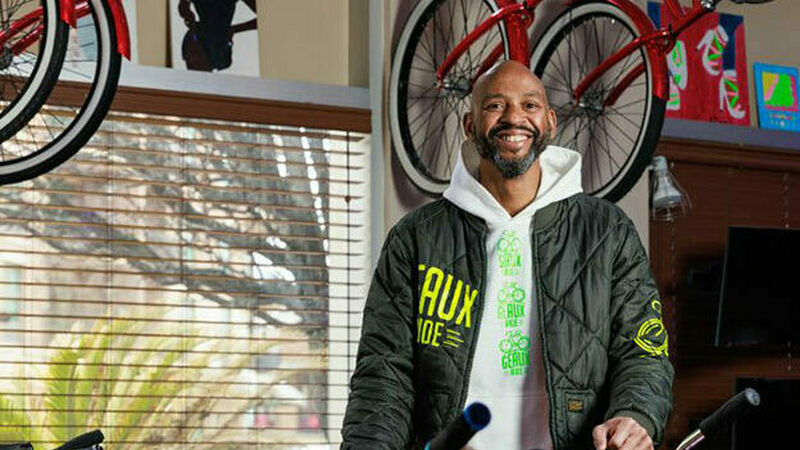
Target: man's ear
<point>466,122</point>
<point>552,120</point>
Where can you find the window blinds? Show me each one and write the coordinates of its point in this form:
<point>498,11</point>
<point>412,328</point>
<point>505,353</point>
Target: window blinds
<point>185,283</point>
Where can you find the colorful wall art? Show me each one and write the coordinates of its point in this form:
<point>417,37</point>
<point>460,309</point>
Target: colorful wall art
<point>708,69</point>
<point>776,93</point>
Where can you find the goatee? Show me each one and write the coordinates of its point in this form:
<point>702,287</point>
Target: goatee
<point>510,168</point>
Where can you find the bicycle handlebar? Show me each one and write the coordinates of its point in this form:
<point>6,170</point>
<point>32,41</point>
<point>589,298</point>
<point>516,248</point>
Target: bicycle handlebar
<point>83,441</point>
<point>723,417</point>
<point>17,446</point>
<point>729,412</point>
<point>474,418</point>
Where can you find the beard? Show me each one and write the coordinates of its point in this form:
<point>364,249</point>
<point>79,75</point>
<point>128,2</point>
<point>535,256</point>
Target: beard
<point>510,168</point>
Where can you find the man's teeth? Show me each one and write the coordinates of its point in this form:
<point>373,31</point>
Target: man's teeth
<point>514,138</point>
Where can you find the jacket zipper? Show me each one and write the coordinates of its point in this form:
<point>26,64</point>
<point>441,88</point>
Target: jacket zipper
<point>540,307</point>
<point>478,319</point>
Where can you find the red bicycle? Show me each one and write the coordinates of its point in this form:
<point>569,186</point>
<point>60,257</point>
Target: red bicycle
<point>603,64</point>
<point>59,68</point>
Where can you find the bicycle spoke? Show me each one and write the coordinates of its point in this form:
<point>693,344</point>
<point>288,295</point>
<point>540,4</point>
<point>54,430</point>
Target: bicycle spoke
<point>466,31</point>
<point>435,148</point>
<point>562,75</point>
<point>597,41</point>
<point>625,116</point>
<point>587,44</point>
<point>434,130</point>
<point>611,136</point>
<point>581,70</point>
<point>607,150</point>
<point>563,91</point>
<point>608,145</point>
<point>430,48</point>
<point>584,126</point>
<point>423,97</point>
<point>422,69</point>
<point>629,61</point>
<point>623,132</point>
<point>427,47</point>
<point>570,120</point>
<point>616,108</point>
<point>428,122</point>
<point>422,112</point>
<point>431,148</point>
<point>596,160</point>
<point>487,44</point>
<point>615,46</point>
<point>427,88</point>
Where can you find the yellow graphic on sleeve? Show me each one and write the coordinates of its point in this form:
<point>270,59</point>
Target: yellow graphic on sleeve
<point>648,337</point>
<point>444,301</point>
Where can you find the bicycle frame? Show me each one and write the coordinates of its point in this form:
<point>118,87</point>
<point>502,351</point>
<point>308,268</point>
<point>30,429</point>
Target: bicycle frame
<point>658,43</point>
<point>517,17</point>
<point>71,11</point>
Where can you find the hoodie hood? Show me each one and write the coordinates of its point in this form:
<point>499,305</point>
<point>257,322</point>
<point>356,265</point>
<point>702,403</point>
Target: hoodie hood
<point>561,178</point>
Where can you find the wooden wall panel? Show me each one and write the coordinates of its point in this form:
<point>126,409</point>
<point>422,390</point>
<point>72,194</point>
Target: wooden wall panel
<point>727,186</point>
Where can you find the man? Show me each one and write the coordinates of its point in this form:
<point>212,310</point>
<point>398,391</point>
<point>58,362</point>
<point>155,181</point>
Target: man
<point>515,290</point>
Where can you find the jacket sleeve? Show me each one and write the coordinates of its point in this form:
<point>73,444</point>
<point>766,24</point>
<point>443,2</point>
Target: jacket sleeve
<point>641,374</point>
<point>381,399</point>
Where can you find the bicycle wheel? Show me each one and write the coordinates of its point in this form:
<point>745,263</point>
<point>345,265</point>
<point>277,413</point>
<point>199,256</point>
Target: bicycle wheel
<point>30,60</point>
<point>425,120</point>
<point>616,141</point>
<point>77,105</point>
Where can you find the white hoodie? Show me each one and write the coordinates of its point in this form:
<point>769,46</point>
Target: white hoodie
<point>507,371</point>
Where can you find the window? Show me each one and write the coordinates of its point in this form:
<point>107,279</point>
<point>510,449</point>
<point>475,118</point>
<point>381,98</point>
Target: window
<point>186,283</point>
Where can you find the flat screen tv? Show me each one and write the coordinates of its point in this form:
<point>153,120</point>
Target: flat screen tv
<point>759,305</point>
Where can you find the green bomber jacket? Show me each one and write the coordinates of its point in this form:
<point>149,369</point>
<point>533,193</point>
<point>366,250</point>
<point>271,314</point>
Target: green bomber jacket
<point>604,342</point>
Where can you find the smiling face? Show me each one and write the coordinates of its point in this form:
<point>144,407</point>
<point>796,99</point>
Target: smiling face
<point>510,122</point>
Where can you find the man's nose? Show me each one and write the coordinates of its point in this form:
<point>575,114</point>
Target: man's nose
<point>514,115</point>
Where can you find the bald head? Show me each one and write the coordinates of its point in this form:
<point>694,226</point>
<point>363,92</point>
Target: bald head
<point>487,83</point>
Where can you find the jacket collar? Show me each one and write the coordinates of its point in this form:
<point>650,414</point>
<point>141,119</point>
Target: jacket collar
<point>543,219</point>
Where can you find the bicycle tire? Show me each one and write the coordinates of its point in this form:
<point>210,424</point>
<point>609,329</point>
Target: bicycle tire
<point>63,138</point>
<point>429,162</point>
<point>40,80</point>
<point>582,126</point>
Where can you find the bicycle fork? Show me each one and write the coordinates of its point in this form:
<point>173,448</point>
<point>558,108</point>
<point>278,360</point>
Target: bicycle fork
<point>71,11</point>
<point>515,19</point>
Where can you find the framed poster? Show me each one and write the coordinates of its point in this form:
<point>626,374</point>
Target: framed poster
<point>776,92</point>
<point>708,69</point>
<point>215,36</point>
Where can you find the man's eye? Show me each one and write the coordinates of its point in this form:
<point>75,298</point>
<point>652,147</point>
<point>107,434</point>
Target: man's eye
<point>532,106</point>
<point>494,106</point>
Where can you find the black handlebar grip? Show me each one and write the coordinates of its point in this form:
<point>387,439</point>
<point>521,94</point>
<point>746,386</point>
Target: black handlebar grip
<point>722,418</point>
<point>472,420</point>
<point>85,440</point>
<point>17,446</point>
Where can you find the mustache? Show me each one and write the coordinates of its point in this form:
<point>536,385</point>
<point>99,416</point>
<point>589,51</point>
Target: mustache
<point>493,132</point>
